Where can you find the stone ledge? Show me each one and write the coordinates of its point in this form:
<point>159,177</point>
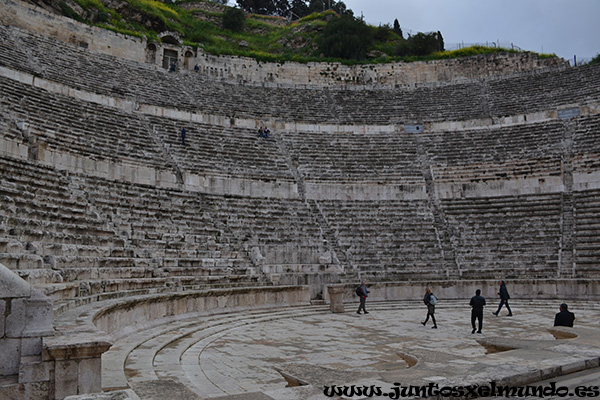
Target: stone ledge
<point>77,345</point>
<point>558,289</point>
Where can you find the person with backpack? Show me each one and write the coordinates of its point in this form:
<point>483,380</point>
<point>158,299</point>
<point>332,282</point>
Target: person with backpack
<point>362,293</point>
<point>504,296</point>
<point>430,301</point>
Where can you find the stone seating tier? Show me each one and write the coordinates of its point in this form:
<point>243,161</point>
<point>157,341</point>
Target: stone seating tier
<point>109,236</point>
<point>385,235</point>
<point>88,241</point>
<point>64,123</point>
<point>236,151</point>
<point>340,157</point>
<point>587,232</point>
<point>512,237</point>
<point>586,144</point>
<point>102,74</point>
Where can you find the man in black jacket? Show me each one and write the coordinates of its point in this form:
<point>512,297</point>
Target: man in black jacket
<point>477,303</point>
<point>504,297</point>
<point>564,317</point>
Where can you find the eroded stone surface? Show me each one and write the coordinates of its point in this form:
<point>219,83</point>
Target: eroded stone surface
<point>269,355</point>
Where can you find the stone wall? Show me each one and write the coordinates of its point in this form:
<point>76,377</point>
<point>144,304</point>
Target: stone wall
<point>25,319</point>
<point>563,290</point>
<point>68,30</point>
<point>116,319</point>
<point>246,70</point>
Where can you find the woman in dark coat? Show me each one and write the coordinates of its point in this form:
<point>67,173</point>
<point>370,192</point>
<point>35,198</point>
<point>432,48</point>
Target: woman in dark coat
<point>503,299</point>
<point>430,308</point>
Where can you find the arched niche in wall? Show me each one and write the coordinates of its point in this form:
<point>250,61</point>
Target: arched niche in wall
<point>188,54</point>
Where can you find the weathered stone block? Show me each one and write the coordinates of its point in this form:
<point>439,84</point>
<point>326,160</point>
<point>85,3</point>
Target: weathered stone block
<point>90,375</point>
<point>11,356</point>
<point>33,369</point>
<point>336,297</point>
<point>37,390</point>
<point>11,285</point>
<point>12,392</point>
<point>31,346</point>
<point>2,317</point>
<point>66,375</point>
<point>29,318</point>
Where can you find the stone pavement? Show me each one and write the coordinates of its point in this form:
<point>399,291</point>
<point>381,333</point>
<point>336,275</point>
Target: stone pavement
<point>296,353</point>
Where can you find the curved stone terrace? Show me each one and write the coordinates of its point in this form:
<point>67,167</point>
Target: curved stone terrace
<point>298,352</point>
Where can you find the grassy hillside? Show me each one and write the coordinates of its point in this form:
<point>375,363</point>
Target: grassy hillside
<point>200,23</point>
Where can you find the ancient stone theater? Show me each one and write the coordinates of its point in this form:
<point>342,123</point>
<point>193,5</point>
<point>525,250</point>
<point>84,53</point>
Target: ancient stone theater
<point>138,263</point>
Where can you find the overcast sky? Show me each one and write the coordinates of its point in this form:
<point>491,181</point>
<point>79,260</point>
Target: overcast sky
<point>563,27</point>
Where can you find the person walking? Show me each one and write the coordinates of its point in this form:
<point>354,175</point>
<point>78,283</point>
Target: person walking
<point>504,296</point>
<point>430,301</point>
<point>477,303</point>
<point>362,293</point>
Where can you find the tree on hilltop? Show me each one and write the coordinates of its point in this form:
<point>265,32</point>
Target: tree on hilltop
<point>264,7</point>
<point>397,29</point>
<point>293,9</point>
<point>233,19</point>
<point>345,37</point>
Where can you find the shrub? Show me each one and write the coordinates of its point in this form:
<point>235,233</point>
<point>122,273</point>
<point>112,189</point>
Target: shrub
<point>345,37</point>
<point>233,19</point>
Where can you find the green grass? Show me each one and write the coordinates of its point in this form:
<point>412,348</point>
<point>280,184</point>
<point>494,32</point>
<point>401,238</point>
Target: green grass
<point>265,41</point>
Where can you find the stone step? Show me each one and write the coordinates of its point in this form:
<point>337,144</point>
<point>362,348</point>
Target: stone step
<point>133,356</point>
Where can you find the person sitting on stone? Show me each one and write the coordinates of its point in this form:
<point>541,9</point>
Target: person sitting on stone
<point>261,131</point>
<point>266,132</point>
<point>564,317</point>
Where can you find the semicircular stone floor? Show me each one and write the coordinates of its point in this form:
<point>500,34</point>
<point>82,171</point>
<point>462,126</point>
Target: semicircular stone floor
<point>299,352</point>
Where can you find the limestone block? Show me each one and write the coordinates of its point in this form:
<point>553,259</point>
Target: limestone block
<point>31,346</point>
<point>256,257</point>
<point>30,318</point>
<point>11,285</point>
<point>37,390</point>
<point>90,375</point>
<point>2,317</point>
<point>33,369</point>
<point>13,392</point>
<point>336,296</point>
<point>11,356</point>
<point>66,374</point>
<point>325,258</point>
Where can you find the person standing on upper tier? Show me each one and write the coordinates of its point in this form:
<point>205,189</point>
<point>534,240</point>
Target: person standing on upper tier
<point>504,296</point>
<point>183,136</point>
